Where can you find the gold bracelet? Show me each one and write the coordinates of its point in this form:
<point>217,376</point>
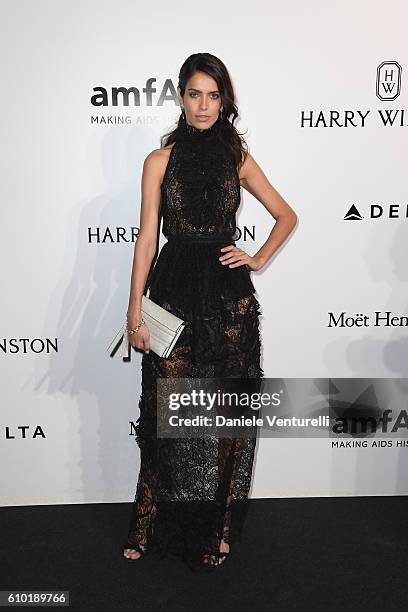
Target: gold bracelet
<point>136,329</point>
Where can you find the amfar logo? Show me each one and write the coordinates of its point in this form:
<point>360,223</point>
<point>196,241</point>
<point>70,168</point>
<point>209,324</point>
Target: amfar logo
<point>121,234</point>
<point>131,96</point>
<point>388,87</point>
<point>376,211</point>
<point>119,96</point>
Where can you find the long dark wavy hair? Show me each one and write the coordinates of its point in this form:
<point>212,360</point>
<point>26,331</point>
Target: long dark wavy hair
<point>215,68</point>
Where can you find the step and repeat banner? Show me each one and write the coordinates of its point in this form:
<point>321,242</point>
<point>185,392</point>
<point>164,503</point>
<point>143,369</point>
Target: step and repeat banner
<point>322,93</point>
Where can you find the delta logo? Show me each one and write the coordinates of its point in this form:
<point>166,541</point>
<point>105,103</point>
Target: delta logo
<point>377,211</point>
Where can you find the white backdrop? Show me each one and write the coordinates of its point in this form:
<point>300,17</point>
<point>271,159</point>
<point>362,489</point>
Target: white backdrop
<point>68,182</point>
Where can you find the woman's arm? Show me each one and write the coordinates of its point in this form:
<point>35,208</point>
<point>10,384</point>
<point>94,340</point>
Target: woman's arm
<point>253,179</point>
<point>146,243</point>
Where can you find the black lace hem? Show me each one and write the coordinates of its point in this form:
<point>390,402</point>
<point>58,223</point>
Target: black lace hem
<point>191,493</point>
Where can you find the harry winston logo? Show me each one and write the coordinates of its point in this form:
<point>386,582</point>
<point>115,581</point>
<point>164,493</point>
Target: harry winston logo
<point>388,83</point>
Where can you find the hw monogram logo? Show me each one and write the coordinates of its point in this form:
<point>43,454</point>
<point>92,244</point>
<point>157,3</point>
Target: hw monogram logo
<point>388,85</point>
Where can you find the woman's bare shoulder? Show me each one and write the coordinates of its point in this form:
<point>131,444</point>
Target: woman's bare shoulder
<point>156,161</point>
<point>245,168</point>
<point>162,153</point>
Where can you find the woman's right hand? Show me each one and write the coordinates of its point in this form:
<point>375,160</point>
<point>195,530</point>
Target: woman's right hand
<point>140,339</point>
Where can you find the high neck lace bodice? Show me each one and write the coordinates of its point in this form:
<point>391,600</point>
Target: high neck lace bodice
<point>190,133</point>
<point>200,187</point>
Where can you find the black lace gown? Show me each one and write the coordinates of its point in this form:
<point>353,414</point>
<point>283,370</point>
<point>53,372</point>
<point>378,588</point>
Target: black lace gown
<point>191,493</point>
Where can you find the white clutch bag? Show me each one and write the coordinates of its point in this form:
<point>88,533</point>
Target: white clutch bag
<point>164,330</point>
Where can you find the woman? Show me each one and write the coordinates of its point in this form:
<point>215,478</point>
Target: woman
<point>192,495</point>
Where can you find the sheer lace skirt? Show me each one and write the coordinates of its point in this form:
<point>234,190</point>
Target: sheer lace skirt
<point>191,493</point>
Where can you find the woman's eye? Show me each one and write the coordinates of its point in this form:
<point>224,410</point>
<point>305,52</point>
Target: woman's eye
<point>194,94</point>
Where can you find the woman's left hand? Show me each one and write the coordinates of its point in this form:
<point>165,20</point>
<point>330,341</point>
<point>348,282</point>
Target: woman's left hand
<point>235,257</point>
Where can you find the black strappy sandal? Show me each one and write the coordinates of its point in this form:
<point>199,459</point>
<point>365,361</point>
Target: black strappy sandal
<point>214,559</point>
<point>213,564</point>
<point>136,548</point>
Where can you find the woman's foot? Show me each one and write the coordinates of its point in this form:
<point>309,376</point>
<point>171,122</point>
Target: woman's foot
<point>131,553</point>
<point>212,560</point>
